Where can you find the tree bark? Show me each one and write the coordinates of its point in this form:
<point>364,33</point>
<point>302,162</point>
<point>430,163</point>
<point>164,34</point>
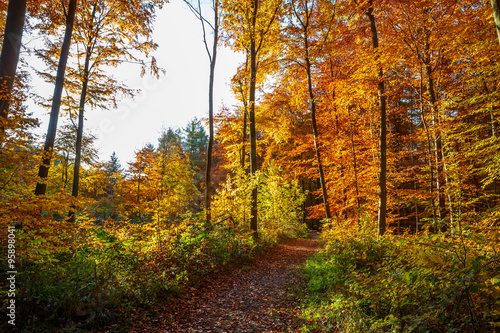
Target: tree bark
<point>9,57</point>
<point>41,186</point>
<point>438,145</point>
<point>312,103</point>
<point>355,167</point>
<point>244,138</point>
<point>495,4</point>
<point>213,58</point>
<point>79,132</point>
<point>253,135</point>
<point>304,21</point>
<point>382,180</point>
<point>208,172</point>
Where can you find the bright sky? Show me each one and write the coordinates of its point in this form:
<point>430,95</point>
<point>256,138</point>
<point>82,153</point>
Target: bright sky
<point>172,101</point>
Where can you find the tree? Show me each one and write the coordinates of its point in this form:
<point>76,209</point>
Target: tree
<point>495,4</point>
<point>104,36</point>
<point>113,169</point>
<point>43,171</point>
<point>303,13</point>
<point>212,56</point>
<point>9,57</point>
<point>64,152</point>
<point>382,180</point>
<point>253,21</point>
<point>195,143</point>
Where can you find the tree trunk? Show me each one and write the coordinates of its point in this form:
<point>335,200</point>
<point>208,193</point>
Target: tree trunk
<point>490,109</point>
<point>208,172</point>
<point>213,58</point>
<point>355,166</point>
<point>382,180</point>
<point>79,132</point>
<point>312,103</point>
<point>11,48</point>
<point>495,4</point>
<point>438,146</point>
<point>41,186</point>
<point>244,138</point>
<point>253,135</point>
<point>429,146</point>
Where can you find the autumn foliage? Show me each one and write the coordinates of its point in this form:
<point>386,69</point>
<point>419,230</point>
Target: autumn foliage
<point>302,147</point>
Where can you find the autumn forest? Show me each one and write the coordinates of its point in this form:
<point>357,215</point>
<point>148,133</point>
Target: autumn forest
<point>374,123</point>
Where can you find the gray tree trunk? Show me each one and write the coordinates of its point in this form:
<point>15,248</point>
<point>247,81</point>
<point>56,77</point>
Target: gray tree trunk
<point>9,57</point>
<point>41,186</point>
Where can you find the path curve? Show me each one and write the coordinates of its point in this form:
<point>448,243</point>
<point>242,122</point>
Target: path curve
<point>252,299</point>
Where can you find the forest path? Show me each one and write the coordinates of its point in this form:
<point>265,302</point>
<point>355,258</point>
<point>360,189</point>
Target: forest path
<point>253,298</point>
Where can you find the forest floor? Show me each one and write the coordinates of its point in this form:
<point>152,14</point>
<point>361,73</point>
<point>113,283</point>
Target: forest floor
<point>256,297</point>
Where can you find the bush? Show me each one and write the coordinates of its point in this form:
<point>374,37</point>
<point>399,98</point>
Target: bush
<point>426,283</point>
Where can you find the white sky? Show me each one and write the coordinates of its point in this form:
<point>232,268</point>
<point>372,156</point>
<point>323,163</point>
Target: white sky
<point>172,101</point>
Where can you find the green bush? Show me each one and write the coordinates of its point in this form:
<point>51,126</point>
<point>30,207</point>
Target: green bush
<point>429,283</point>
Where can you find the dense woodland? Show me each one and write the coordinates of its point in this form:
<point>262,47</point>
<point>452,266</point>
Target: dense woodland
<point>374,121</point>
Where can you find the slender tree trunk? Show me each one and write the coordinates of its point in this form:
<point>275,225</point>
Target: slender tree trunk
<point>208,172</point>
<point>355,166</point>
<point>414,176</point>
<point>253,135</point>
<point>41,186</point>
<point>243,148</point>
<point>312,103</point>
<point>438,145</point>
<point>9,57</point>
<point>429,146</point>
<point>244,138</point>
<point>79,132</point>
<point>490,109</point>
<point>382,180</point>
<point>495,4</point>
<point>139,199</point>
<point>213,59</point>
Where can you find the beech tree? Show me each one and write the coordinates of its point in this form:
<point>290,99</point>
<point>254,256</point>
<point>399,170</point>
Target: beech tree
<point>213,25</point>
<point>108,33</point>
<point>251,23</point>
<point>11,47</point>
<point>303,13</point>
<point>382,206</point>
<point>41,186</point>
<point>495,4</point>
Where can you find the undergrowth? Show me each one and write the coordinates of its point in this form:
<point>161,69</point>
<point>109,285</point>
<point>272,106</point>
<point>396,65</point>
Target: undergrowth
<point>109,271</point>
<point>409,283</point>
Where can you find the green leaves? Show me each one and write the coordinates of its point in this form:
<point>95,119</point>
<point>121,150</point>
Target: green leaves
<point>403,284</point>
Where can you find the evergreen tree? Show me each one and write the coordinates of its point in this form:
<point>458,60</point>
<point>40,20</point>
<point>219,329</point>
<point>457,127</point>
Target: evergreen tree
<point>195,143</point>
<point>169,141</point>
<point>113,170</point>
<point>113,166</point>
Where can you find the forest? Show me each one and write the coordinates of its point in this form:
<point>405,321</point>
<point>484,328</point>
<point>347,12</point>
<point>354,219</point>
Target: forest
<point>373,122</point>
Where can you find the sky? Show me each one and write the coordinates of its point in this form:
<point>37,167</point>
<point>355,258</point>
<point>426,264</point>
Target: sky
<point>172,101</point>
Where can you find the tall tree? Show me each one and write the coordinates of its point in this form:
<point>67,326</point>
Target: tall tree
<point>303,11</point>
<point>102,35</point>
<point>382,101</point>
<point>11,47</point>
<point>495,4</point>
<point>41,186</point>
<point>251,23</point>
<point>212,56</point>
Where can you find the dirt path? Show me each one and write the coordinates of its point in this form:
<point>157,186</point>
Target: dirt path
<point>252,299</point>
